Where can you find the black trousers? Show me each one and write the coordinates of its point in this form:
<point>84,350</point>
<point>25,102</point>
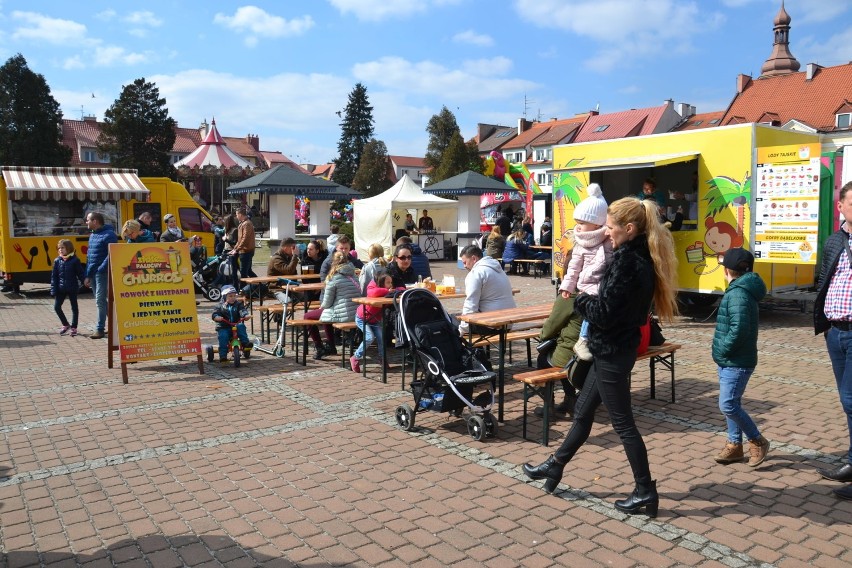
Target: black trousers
<point>608,382</point>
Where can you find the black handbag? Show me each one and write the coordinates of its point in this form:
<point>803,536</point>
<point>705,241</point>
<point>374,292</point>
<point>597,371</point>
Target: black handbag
<point>656,333</point>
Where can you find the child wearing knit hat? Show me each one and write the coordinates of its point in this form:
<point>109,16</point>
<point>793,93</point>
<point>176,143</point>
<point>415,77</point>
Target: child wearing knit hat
<point>590,256</point>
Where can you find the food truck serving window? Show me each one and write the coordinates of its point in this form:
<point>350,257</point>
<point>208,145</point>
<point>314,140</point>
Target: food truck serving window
<point>45,218</point>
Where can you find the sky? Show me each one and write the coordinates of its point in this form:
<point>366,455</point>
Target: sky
<point>283,69</point>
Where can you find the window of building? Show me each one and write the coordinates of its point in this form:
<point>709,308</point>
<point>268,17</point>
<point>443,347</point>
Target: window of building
<point>714,121</point>
<point>544,155</point>
<point>697,123</point>
<point>843,120</point>
<point>601,128</point>
<point>92,155</point>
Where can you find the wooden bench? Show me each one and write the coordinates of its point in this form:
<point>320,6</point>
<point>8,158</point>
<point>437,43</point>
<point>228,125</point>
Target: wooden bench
<point>267,313</point>
<point>300,326</point>
<point>540,382</point>
<point>348,329</point>
<point>520,335</point>
<point>537,265</point>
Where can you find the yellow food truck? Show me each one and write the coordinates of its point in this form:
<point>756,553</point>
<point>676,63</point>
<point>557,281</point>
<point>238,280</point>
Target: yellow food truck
<point>40,206</point>
<point>752,186</point>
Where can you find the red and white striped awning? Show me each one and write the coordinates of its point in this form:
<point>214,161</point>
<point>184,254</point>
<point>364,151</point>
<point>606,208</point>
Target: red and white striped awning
<point>58,184</point>
<point>214,152</point>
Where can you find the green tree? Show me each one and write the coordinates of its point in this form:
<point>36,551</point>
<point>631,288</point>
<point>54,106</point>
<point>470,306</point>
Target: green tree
<point>372,176</point>
<point>457,158</point>
<point>441,128</point>
<point>138,132</point>
<point>356,129</point>
<point>30,119</point>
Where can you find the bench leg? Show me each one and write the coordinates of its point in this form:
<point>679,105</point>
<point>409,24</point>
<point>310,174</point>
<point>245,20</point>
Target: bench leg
<point>652,365</point>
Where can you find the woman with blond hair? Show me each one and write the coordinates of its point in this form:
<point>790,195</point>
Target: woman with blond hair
<point>495,243</point>
<point>377,261</point>
<point>642,272</point>
<point>337,305</point>
<point>133,232</point>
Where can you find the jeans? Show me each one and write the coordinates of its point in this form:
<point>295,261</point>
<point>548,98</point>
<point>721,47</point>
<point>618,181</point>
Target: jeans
<point>371,331</point>
<point>732,385</point>
<point>57,307</point>
<point>225,336</point>
<point>609,382</point>
<point>100,289</point>
<point>245,265</point>
<point>584,329</point>
<point>839,344</point>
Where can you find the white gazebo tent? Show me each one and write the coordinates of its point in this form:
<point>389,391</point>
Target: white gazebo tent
<point>378,218</point>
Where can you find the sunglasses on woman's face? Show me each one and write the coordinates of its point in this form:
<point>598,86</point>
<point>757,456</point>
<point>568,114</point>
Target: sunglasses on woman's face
<point>406,257</point>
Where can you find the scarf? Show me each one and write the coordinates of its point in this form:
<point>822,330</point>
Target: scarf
<point>175,231</point>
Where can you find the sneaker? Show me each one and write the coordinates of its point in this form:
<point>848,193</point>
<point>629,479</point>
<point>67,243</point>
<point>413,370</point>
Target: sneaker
<point>731,453</point>
<point>581,349</point>
<point>64,329</point>
<point>355,363</point>
<point>73,331</point>
<point>757,450</point>
<point>98,335</point>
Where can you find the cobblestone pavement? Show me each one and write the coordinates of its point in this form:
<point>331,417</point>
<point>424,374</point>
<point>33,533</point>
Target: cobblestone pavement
<point>278,464</point>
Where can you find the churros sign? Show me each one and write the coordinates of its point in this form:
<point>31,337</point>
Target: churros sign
<point>155,313</point>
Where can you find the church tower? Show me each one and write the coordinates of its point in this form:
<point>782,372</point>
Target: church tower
<point>781,61</point>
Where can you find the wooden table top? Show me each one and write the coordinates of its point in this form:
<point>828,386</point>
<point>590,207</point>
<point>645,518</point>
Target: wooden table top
<point>503,318</point>
<point>274,279</point>
<point>385,301</point>
<point>541,247</point>
<point>309,287</point>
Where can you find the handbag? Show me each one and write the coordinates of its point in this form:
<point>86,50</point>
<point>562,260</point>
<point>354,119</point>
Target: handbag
<point>656,333</point>
<point>644,336</point>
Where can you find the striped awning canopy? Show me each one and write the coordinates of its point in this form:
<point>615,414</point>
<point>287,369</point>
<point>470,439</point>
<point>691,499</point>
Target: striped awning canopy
<point>59,184</point>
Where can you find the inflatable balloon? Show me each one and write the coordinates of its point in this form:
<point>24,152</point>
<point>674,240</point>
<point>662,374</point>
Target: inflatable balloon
<point>489,166</point>
<point>499,164</point>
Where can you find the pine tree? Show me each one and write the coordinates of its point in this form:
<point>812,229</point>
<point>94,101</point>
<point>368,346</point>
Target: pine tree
<point>372,176</point>
<point>30,119</point>
<point>138,132</point>
<point>356,129</point>
<point>447,154</point>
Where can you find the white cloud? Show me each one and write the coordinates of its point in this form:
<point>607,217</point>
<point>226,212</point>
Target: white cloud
<point>256,22</point>
<point>380,10</point>
<point>143,19</point>
<point>626,30</point>
<point>835,50</point>
<point>73,62</point>
<point>40,28</point>
<point>110,55</point>
<point>474,81</point>
<point>473,38</point>
<point>106,15</point>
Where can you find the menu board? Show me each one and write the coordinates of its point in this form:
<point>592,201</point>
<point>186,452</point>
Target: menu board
<point>786,204</point>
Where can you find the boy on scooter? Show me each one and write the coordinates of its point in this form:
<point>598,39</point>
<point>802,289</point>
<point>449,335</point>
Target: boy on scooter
<point>230,310</point>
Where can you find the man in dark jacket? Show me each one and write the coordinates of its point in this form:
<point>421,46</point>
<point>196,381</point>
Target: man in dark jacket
<point>505,221</point>
<point>284,261</point>
<point>344,245</point>
<point>97,266</point>
<point>833,316</point>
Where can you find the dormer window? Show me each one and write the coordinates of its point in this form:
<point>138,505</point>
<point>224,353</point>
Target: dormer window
<point>843,120</point>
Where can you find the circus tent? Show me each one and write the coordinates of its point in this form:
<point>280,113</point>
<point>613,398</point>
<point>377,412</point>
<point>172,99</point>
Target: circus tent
<point>213,165</point>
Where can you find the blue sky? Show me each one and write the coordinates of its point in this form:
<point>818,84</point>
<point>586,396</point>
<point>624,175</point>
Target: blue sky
<point>282,69</point>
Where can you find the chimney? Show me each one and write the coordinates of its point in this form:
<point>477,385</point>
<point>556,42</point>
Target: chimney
<point>523,125</point>
<point>90,118</point>
<point>203,129</point>
<point>254,141</point>
<point>669,103</point>
<point>483,131</point>
<point>685,110</point>
<point>743,81</point>
<point>811,69</point>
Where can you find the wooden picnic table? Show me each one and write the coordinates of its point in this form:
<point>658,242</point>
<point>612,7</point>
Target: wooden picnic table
<point>541,247</point>
<point>500,321</point>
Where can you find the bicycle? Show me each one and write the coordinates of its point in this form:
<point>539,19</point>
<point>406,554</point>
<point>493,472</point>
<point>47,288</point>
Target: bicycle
<point>235,347</point>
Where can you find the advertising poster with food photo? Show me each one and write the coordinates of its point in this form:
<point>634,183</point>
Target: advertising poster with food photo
<point>155,313</point>
<point>786,216</point>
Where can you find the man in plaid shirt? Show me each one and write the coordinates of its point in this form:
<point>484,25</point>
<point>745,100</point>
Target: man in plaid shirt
<point>833,315</point>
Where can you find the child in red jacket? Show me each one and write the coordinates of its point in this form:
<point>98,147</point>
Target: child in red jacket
<point>369,318</point>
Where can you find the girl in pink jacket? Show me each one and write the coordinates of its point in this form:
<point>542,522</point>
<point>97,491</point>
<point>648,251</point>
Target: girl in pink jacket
<point>590,256</point>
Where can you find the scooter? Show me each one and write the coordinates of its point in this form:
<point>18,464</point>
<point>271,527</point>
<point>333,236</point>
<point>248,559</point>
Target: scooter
<point>278,349</point>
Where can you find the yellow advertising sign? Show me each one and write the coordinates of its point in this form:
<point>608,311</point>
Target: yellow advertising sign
<point>788,153</point>
<point>156,317</point>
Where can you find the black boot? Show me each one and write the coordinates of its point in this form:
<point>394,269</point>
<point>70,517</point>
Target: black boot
<point>643,496</point>
<point>550,471</point>
<point>330,349</point>
<point>319,351</point>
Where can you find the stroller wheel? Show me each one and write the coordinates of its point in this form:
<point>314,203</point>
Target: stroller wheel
<point>490,425</point>
<point>214,294</point>
<point>476,427</point>
<point>405,417</point>
<point>210,354</point>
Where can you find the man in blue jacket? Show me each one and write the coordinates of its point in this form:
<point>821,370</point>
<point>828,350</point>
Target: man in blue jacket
<point>97,266</point>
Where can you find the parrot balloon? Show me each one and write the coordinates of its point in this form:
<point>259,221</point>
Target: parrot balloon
<point>499,164</point>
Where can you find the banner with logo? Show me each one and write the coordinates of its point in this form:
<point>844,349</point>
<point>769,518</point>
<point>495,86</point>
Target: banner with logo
<point>156,316</point>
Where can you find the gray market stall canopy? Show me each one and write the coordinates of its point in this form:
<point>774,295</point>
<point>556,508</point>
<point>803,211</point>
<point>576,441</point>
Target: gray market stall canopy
<point>284,180</point>
<point>648,161</point>
<point>58,184</point>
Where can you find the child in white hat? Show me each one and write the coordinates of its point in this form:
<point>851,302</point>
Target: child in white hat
<point>589,258</point>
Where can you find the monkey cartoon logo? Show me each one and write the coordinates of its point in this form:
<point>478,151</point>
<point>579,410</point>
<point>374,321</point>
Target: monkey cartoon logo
<point>720,237</point>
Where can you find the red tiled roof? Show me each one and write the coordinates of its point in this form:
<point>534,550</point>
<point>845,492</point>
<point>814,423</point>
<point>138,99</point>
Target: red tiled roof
<point>793,97</point>
<point>323,170</point>
<point>634,122</point>
<point>545,133</point>
<point>186,140</point>
<point>703,120</point>
<point>407,161</point>
<point>272,158</point>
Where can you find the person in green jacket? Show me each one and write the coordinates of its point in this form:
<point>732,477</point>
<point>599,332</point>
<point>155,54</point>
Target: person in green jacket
<point>735,352</point>
<point>562,326</point>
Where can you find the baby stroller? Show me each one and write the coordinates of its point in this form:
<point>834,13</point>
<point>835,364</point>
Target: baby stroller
<point>209,276</point>
<point>451,369</point>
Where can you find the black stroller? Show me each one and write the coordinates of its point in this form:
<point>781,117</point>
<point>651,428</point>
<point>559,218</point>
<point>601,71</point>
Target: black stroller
<point>451,369</point>
<point>209,276</point>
